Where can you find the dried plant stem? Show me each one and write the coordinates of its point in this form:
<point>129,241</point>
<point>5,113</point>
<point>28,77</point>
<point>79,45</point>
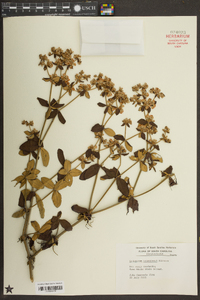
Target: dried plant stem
<point>103,195</point>
<point>113,205</point>
<point>95,181</point>
<point>42,198</point>
<point>137,179</point>
<point>57,237</point>
<point>165,178</point>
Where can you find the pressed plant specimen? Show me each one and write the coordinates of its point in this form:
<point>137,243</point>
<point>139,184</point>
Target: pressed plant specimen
<point>103,160</point>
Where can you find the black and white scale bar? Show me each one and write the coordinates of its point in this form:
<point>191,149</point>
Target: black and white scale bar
<point>12,9</point>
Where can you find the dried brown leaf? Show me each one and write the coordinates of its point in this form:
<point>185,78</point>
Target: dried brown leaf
<point>43,102</point>
<point>66,225</point>
<point>79,209</point>
<point>133,204</point>
<point>90,172</point>
<point>35,236</point>
<point>35,225</point>
<point>143,167</point>
<point>97,128</point>
<point>61,118</point>
<point>45,157</point>
<point>142,121</point>
<point>30,165</point>
<point>128,146</point>
<point>36,183</point>
<point>61,156</point>
<point>47,182</point>
<point>75,172</point>
<point>19,213</point>
<point>67,166</point>
<point>122,186</point>
<point>45,227</point>
<point>119,137</point>
<point>109,131</point>
<point>40,205</point>
<point>60,185</point>
<point>56,198</point>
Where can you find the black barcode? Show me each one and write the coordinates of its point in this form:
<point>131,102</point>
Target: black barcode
<point>50,288</point>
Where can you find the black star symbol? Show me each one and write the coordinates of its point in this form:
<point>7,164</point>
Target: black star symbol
<point>9,289</point>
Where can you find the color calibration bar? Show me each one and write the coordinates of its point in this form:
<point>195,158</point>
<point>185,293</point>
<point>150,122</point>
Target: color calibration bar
<point>107,10</point>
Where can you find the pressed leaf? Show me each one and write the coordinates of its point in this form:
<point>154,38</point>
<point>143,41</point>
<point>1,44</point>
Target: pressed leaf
<point>60,185</point>
<point>67,165</point>
<point>122,186</point>
<point>54,223</point>
<point>66,225</point>
<point>119,137</point>
<point>30,165</point>
<point>101,104</point>
<point>45,227</point>
<point>45,157</point>
<point>43,102</point>
<point>19,213</point>
<point>140,155</point>
<point>143,135</point>
<point>36,183</point>
<point>75,172</point>
<point>143,167</point>
<point>18,179</point>
<point>79,209</point>
<point>167,171</point>
<point>109,131</point>
<point>128,146</point>
<point>21,202</point>
<point>30,196</point>
<point>142,121</point>
<point>110,173</point>
<point>56,197</point>
<point>23,195</point>
<point>68,179</point>
<point>90,172</point>
<point>53,114</point>
<point>29,146</point>
<point>156,157</point>
<point>87,95</point>
<point>115,157</point>
<point>35,225</point>
<point>46,79</point>
<point>61,118</point>
<point>47,182</point>
<point>96,154</point>
<point>61,157</point>
<point>45,236</point>
<point>97,128</point>
<point>133,204</point>
<point>153,124</point>
<point>122,198</point>
<point>35,236</point>
<point>88,153</point>
<point>172,182</point>
<point>40,205</point>
<point>133,158</point>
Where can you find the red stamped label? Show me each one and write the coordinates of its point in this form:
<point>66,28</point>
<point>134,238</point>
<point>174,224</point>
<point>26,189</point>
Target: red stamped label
<point>177,39</point>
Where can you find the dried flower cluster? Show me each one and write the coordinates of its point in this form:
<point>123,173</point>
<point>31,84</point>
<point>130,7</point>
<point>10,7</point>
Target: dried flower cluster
<point>109,145</point>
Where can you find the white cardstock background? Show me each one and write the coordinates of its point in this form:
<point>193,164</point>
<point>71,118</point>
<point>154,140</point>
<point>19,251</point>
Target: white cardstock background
<point>86,260</point>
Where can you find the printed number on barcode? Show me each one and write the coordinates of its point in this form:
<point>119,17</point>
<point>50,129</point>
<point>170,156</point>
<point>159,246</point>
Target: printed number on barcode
<point>50,288</point>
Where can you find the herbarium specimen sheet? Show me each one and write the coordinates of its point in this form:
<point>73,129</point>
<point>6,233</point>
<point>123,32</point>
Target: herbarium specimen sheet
<point>99,156</point>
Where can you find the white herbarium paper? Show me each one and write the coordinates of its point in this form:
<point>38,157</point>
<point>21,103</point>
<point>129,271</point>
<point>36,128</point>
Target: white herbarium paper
<point>156,268</point>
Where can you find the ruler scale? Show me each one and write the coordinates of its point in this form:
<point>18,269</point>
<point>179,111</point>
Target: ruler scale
<point>12,9</point>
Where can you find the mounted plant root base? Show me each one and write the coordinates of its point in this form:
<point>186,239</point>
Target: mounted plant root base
<point>109,146</point>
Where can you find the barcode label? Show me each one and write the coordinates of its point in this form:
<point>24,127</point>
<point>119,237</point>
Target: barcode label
<point>49,287</point>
